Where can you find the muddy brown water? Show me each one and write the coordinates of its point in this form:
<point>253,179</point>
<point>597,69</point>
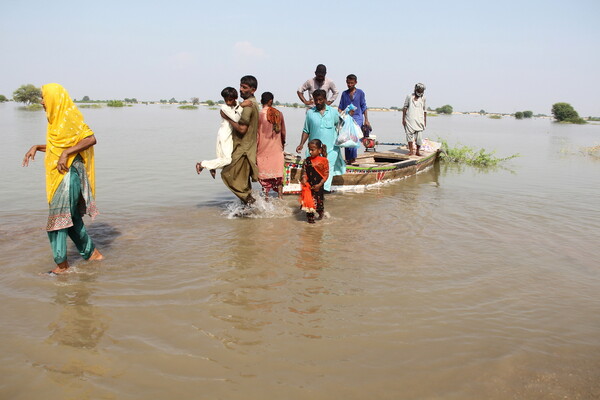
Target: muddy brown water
<point>457,283</point>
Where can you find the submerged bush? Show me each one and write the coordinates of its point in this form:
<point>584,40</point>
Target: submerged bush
<point>564,112</point>
<point>188,107</point>
<point>33,107</point>
<point>447,109</point>
<point>470,156</point>
<point>115,103</point>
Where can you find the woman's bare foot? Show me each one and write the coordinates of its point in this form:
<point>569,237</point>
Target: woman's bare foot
<point>199,167</point>
<point>213,172</point>
<point>96,256</point>
<point>60,269</point>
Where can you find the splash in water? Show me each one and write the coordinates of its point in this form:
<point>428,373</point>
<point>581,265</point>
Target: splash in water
<point>261,208</point>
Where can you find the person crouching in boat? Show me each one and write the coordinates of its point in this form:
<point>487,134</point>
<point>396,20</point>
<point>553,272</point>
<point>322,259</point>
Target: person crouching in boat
<point>315,172</point>
<point>70,176</point>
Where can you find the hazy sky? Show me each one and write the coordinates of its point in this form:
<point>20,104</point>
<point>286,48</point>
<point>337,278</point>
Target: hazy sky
<point>498,56</point>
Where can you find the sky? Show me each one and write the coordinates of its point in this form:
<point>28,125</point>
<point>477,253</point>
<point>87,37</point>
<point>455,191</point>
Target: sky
<point>497,56</point>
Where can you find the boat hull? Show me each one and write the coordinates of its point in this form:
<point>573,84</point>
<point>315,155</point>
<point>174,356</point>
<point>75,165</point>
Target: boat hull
<point>370,168</point>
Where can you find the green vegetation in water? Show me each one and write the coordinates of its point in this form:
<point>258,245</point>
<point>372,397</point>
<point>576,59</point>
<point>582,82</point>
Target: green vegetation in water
<point>566,114</point>
<point>28,94</point>
<point>188,107</point>
<point>3,98</point>
<point>593,119</point>
<point>470,156</point>
<point>90,106</point>
<point>33,107</point>
<point>212,108</point>
<point>431,114</point>
<point>115,103</point>
<point>523,114</point>
<point>495,116</point>
<point>447,109</point>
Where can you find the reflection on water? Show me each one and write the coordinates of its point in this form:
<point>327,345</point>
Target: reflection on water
<point>80,324</point>
<point>457,283</point>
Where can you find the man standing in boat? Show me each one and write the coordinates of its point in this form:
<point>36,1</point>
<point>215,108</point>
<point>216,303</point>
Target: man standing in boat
<point>414,118</point>
<point>238,174</point>
<point>318,82</point>
<point>320,123</point>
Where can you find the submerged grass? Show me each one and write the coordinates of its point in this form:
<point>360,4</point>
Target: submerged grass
<point>188,107</point>
<point>90,106</point>
<point>470,156</point>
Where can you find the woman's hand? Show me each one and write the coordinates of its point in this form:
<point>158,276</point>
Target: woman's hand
<point>29,155</point>
<point>61,165</point>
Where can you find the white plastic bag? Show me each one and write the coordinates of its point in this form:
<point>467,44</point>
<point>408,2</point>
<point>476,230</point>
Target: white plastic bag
<point>350,133</point>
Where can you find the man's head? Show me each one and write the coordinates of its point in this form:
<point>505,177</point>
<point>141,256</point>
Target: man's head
<point>419,89</point>
<point>248,85</point>
<point>320,72</point>
<point>320,99</point>
<point>230,95</point>
<point>351,81</point>
<point>266,99</point>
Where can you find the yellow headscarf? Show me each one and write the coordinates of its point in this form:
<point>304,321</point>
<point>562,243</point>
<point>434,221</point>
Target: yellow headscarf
<point>65,129</point>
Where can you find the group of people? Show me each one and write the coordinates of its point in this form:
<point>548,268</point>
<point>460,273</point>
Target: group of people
<point>250,142</point>
<point>250,148</point>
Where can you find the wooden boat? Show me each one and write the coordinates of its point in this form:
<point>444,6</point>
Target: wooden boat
<point>370,168</point>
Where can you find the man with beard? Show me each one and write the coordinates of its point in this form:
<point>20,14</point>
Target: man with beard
<point>414,118</point>
<point>238,175</point>
<point>320,123</point>
<point>318,82</point>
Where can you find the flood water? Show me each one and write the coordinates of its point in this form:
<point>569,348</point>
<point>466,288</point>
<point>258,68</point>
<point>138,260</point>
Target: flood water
<point>457,283</point>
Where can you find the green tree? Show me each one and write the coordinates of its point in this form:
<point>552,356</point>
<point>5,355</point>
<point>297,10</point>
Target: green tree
<point>85,98</point>
<point>3,98</point>
<point>115,103</point>
<point>527,114</point>
<point>447,109</point>
<point>482,112</point>
<point>210,103</point>
<point>519,115</point>
<point>195,101</point>
<point>564,112</point>
<point>28,94</point>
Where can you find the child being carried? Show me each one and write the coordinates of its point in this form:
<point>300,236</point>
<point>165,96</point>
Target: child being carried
<point>224,139</point>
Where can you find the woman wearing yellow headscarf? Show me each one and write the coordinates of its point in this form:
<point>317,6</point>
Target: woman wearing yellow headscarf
<point>70,176</point>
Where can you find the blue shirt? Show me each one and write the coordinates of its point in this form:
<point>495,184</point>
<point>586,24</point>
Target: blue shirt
<point>359,101</point>
<point>322,127</point>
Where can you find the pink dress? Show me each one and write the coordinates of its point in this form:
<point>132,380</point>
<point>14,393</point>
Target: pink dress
<point>269,155</point>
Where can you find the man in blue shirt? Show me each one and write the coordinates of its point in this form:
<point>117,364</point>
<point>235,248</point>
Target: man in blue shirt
<point>357,98</point>
<point>320,123</point>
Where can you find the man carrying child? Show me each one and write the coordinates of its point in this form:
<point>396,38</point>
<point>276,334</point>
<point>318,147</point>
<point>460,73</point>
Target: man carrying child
<point>238,175</point>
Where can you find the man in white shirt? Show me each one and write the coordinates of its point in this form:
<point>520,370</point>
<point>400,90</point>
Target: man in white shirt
<point>414,118</point>
<point>318,82</point>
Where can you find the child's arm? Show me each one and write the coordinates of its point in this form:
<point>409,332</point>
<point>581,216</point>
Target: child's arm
<point>246,103</point>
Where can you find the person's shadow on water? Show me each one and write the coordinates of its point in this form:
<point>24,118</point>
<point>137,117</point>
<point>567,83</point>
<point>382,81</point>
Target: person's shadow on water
<point>103,234</point>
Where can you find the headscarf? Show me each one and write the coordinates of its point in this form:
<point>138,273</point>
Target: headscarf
<point>321,165</point>
<point>274,117</point>
<point>419,89</point>
<point>65,129</point>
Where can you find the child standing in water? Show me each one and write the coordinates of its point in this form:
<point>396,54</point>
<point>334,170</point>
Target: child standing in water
<point>315,172</point>
<point>224,139</point>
